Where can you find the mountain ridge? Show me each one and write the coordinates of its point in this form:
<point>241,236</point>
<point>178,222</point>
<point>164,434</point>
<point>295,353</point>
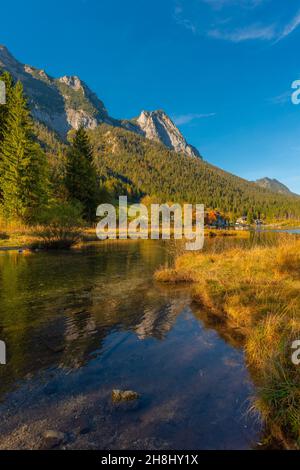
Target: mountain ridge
<point>273,185</point>
<point>66,102</point>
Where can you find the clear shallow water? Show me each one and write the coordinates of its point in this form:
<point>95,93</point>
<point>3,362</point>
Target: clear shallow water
<point>79,324</point>
<point>295,231</point>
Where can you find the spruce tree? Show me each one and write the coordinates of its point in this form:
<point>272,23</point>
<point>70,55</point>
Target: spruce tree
<point>23,179</point>
<point>81,176</point>
<point>7,79</point>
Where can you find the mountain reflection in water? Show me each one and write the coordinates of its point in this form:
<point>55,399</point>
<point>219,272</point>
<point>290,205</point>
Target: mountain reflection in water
<point>79,324</point>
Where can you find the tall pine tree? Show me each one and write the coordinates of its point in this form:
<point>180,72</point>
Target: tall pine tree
<point>81,176</point>
<point>8,81</point>
<point>23,178</point>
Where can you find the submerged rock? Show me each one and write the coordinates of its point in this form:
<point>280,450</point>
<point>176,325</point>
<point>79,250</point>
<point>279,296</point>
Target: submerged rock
<point>124,395</point>
<point>83,424</point>
<point>52,439</point>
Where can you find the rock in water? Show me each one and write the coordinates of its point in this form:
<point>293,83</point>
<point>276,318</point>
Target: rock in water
<point>83,424</point>
<point>52,439</point>
<point>126,395</point>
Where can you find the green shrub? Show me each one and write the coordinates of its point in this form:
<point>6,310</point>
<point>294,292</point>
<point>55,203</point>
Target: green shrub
<point>60,226</point>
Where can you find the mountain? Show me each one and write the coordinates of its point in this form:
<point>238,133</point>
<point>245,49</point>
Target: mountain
<point>273,185</point>
<point>67,102</point>
<point>157,126</point>
<point>61,104</point>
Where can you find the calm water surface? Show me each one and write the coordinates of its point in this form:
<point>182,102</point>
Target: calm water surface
<point>79,324</point>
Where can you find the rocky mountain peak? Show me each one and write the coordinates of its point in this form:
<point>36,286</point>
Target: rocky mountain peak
<point>37,73</point>
<point>157,126</point>
<point>72,81</point>
<point>273,185</point>
<point>62,104</point>
<point>7,60</point>
<point>4,53</point>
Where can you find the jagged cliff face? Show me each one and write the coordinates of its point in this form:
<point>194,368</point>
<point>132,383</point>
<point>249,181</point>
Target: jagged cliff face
<point>61,104</point>
<point>157,126</point>
<point>66,103</point>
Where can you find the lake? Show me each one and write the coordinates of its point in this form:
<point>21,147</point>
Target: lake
<point>79,324</point>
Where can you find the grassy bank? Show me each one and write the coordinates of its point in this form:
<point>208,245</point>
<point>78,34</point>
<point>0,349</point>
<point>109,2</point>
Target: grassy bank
<point>256,291</point>
<point>22,236</point>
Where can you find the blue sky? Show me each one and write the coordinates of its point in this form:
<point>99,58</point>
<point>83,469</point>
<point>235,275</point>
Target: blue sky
<point>222,69</point>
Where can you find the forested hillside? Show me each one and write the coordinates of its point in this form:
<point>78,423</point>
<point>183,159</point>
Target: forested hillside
<point>149,168</point>
<point>130,164</point>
